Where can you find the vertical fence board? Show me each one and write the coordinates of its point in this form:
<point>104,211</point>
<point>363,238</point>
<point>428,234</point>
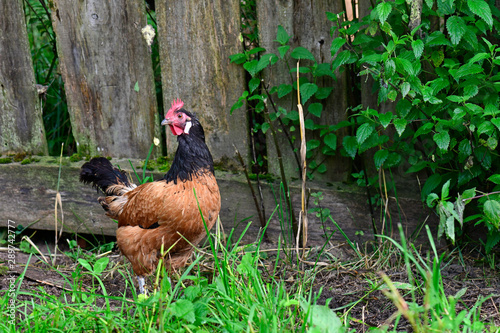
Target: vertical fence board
<point>308,26</point>
<point>196,39</point>
<point>21,125</point>
<point>106,67</point>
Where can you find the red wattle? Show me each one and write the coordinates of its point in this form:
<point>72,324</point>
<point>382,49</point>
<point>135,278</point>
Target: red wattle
<point>176,130</point>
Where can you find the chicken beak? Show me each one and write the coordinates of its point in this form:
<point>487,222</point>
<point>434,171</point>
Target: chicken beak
<point>166,121</point>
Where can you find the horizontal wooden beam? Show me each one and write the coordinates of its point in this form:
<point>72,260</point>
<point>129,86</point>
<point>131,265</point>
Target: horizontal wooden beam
<point>29,192</point>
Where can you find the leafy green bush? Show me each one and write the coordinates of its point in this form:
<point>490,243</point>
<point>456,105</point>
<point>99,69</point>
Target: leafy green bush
<point>255,61</point>
<point>442,73</point>
<point>445,83</point>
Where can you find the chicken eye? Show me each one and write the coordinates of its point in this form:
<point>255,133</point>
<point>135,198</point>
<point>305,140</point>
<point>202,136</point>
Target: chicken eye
<point>179,116</point>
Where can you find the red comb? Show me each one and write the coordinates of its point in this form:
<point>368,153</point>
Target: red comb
<point>177,104</point>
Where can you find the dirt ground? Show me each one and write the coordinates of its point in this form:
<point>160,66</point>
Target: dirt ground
<point>343,285</point>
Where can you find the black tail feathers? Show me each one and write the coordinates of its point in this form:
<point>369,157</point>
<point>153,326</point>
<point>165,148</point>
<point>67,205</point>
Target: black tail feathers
<point>101,174</point>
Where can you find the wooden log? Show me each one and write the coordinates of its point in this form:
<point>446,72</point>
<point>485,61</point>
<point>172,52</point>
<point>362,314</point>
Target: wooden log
<point>196,39</point>
<point>307,24</point>
<point>29,192</point>
<point>21,125</point>
<point>107,71</point>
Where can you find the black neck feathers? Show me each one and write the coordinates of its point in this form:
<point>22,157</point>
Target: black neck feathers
<point>192,156</point>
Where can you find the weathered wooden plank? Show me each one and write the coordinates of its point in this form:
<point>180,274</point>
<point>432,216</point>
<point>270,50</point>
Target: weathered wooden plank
<point>196,39</point>
<point>307,24</point>
<point>28,198</point>
<point>106,67</point>
<point>21,125</point>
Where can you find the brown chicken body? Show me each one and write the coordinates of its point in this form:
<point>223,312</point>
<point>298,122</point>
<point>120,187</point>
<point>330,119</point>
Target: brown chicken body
<point>165,212</point>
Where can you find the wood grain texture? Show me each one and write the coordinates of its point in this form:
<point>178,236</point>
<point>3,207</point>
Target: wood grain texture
<point>21,125</point>
<point>103,58</point>
<point>196,39</point>
<point>28,196</point>
<point>307,24</point>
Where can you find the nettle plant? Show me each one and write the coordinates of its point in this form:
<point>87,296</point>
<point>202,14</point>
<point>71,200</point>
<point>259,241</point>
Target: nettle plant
<point>443,77</point>
<point>261,95</point>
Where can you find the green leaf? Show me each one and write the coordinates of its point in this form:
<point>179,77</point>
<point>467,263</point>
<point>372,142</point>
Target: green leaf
<point>332,17</point>
<point>321,319</point>
<point>431,200</point>
<point>442,140</point>
<point>341,59</point>
<point>455,98</point>
<point>337,44</point>
<point>380,157</point>
<point>437,58</point>
<point>306,91</point>
<point>439,84</point>
<point>496,122</point>
<point>238,58</point>
<point>400,125</point>
<point>485,127</point>
<point>470,38</point>
<point>302,53</point>
<point>331,141</point>
<point>456,28</point>
<point>405,65</point>
<point>470,91</point>
<point>284,89</point>
<point>363,132</point>
<point>266,60</point>
<point>467,69</point>
<point>323,92</point>
<point>424,129</point>
<point>383,9</point>
<point>491,110</point>
<point>312,144</point>
<point>450,228</point>
<point>468,194</point>
<point>256,50</point>
<point>445,190</point>
<point>385,118</point>
<point>418,48</point>
<point>309,124</point>
<point>136,86</point>
<point>390,68</point>
<point>481,9</point>
<point>282,36</point>
<point>315,109</point>
<point>479,57</point>
<point>492,239</point>
<point>283,50</point>
<point>437,38</point>
<point>100,265</point>
<point>251,67</point>
<point>85,264</point>
<point>253,84</point>
<point>371,58</point>
<point>432,182</point>
<point>322,70</point>
<point>183,309</point>
<point>265,127</point>
<point>405,89</point>
<point>495,179</point>
<point>492,212</point>
<point>350,145</point>
<point>464,149</point>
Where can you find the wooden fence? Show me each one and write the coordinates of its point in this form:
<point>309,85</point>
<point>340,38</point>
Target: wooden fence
<point>106,66</point>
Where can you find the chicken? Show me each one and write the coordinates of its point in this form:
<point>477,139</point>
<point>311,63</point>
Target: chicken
<point>164,212</point>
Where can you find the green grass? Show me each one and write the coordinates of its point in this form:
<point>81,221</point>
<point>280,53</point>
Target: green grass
<point>230,287</point>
